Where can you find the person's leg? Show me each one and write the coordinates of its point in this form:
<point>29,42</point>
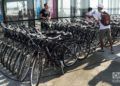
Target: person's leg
<point>101,33</point>
<point>110,39</point>
<point>42,26</point>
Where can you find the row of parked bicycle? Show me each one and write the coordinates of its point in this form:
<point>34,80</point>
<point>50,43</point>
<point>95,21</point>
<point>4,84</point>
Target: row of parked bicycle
<point>27,53</point>
<point>22,51</point>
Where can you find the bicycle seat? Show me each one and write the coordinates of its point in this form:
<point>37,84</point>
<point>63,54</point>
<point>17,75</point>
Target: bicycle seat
<point>54,38</point>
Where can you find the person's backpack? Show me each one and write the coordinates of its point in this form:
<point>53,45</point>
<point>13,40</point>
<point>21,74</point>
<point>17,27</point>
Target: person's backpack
<point>105,18</point>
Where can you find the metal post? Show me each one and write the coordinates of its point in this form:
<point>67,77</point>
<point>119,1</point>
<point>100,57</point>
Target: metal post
<point>3,10</point>
<point>33,12</point>
<point>57,9</point>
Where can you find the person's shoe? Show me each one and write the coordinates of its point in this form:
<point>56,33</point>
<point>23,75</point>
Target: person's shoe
<point>101,50</point>
<point>112,51</point>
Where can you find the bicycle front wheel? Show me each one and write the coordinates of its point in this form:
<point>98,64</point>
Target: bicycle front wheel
<point>70,54</point>
<point>66,53</point>
<point>37,70</point>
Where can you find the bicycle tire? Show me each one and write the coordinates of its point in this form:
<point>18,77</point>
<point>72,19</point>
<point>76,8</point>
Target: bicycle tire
<point>41,64</point>
<point>9,56</point>
<point>17,63</point>
<point>3,54</point>
<point>14,61</point>
<point>60,51</point>
<point>83,54</point>
<point>35,72</point>
<point>6,57</point>
<point>71,51</point>
<point>25,67</point>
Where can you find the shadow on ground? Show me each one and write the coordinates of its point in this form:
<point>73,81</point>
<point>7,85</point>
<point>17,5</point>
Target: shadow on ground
<point>106,76</point>
<point>95,60</point>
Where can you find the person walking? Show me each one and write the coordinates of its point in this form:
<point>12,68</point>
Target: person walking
<point>103,19</point>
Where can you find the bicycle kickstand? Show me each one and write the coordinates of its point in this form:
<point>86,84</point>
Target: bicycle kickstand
<point>62,67</point>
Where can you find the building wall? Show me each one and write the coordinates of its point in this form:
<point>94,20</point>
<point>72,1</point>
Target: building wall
<point>1,14</point>
<point>60,8</point>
